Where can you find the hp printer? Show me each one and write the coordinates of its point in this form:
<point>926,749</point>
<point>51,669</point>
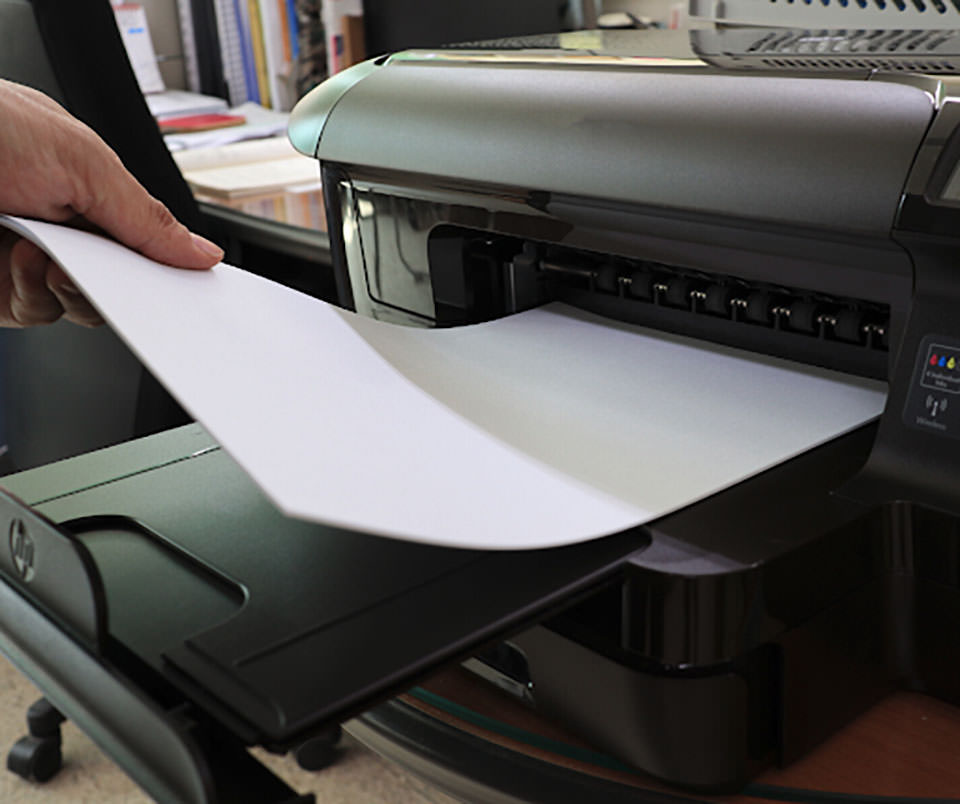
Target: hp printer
<point>810,215</point>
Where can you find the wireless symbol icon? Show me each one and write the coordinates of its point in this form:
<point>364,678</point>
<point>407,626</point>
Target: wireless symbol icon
<point>935,406</point>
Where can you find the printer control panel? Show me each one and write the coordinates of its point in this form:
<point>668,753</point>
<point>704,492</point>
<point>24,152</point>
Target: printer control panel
<point>933,403</point>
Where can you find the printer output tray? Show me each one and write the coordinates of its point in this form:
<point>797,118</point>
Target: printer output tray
<point>270,627</point>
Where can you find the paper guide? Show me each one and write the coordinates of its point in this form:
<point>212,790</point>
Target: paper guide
<point>541,429</point>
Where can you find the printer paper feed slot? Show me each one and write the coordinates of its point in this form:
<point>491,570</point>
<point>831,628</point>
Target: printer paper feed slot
<point>540,429</point>
<point>477,276</point>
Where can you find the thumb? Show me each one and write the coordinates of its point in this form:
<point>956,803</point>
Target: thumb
<point>118,204</point>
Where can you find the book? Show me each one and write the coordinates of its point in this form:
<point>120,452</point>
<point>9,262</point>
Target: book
<point>277,52</point>
<point>296,206</point>
<point>242,14</point>
<point>199,122</point>
<point>284,23</point>
<point>335,12</point>
<point>294,27</point>
<point>247,168</point>
<point>178,103</point>
<point>230,39</point>
<point>261,124</point>
<point>132,22</point>
<point>259,52</point>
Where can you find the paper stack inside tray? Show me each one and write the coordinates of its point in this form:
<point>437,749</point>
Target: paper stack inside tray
<point>541,429</point>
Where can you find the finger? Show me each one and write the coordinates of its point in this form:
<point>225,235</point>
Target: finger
<point>61,167</point>
<point>7,241</point>
<point>30,95</point>
<point>111,198</point>
<point>75,306</point>
<point>31,301</point>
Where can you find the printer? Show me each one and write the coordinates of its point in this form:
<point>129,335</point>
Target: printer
<point>811,215</point>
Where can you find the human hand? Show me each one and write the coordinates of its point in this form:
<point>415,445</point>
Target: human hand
<point>57,169</point>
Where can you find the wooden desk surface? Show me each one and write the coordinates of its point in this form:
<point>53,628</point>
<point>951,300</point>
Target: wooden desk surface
<point>903,749</point>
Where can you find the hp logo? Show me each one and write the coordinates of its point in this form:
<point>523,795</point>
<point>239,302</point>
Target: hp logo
<point>21,550</point>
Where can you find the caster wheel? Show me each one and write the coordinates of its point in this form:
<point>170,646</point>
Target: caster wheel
<point>35,758</point>
<point>319,752</point>
<point>43,719</point>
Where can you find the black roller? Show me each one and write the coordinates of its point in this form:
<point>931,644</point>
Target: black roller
<point>803,316</point>
<point>717,299</point>
<point>641,285</point>
<point>605,278</point>
<point>759,304</point>
<point>678,291</point>
<point>849,326</point>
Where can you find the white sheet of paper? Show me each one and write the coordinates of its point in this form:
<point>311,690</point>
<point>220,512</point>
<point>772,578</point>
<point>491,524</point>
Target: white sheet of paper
<point>541,429</point>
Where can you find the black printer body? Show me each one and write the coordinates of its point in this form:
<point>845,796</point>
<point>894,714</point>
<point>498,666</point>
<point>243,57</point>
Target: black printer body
<point>803,215</point>
<point>162,602</point>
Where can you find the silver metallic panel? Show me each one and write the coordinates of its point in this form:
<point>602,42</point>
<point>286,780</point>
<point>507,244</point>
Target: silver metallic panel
<point>803,151</point>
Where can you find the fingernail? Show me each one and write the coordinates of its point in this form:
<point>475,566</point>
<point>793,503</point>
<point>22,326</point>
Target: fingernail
<point>207,247</point>
<point>71,290</point>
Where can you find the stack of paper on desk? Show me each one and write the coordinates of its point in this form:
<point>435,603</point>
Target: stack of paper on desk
<point>247,168</point>
<point>178,102</point>
<point>541,429</point>
<point>260,123</point>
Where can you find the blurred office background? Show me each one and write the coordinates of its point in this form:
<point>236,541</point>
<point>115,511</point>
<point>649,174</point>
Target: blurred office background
<point>396,24</point>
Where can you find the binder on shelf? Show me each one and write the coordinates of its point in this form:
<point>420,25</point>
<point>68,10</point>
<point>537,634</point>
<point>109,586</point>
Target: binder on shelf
<point>191,68</point>
<point>335,14</point>
<point>242,15</point>
<point>294,29</point>
<point>273,51</point>
<point>135,32</point>
<point>231,51</point>
<point>244,50</point>
<point>259,53</point>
